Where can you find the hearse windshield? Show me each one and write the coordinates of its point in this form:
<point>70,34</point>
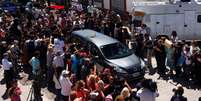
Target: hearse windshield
<point>115,51</point>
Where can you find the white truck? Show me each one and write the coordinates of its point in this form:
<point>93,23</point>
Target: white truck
<point>163,18</point>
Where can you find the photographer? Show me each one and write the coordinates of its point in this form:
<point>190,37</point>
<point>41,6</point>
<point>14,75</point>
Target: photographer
<point>197,69</point>
<point>148,45</point>
<point>36,71</point>
<point>188,63</point>
<point>160,55</point>
<point>148,92</point>
<point>178,94</point>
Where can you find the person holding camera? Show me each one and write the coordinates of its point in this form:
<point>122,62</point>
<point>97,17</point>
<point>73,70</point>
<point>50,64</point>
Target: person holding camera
<point>160,55</point>
<point>178,94</point>
<point>148,92</point>
<point>188,63</point>
<point>197,69</point>
<point>36,71</point>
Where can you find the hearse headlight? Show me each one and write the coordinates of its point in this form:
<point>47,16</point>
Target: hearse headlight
<point>119,70</point>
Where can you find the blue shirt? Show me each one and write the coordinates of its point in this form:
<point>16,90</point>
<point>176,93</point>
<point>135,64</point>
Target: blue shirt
<point>75,63</point>
<point>35,63</point>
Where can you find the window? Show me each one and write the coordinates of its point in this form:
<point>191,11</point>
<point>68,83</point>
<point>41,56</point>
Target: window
<point>93,49</point>
<point>199,19</point>
<point>115,51</point>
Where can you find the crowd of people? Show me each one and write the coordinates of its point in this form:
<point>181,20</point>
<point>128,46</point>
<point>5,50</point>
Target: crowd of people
<point>182,58</point>
<point>37,41</point>
<point>178,58</point>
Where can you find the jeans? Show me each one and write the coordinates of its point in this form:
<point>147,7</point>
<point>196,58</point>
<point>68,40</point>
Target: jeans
<point>8,76</point>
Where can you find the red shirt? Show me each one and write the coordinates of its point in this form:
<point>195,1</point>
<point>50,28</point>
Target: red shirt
<point>92,86</point>
<point>63,23</point>
<point>81,94</point>
<point>16,94</point>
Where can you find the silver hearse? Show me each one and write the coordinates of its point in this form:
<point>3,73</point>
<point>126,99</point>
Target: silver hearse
<point>109,52</point>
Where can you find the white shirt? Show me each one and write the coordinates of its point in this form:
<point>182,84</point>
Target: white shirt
<point>90,9</point>
<point>58,45</point>
<point>65,86</point>
<point>77,24</point>
<point>58,61</point>
<point>7,65</point>
<point>57,83</point>
<point>37,42</point>
<point>188,57</point>
<point>59,21</point>
<point>146,95</point>
<point>174,39</point>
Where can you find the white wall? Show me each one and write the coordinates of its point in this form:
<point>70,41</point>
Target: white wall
<point>106,4</point>
<point>174,22</point>
<point>98,4</point>
<point>129,5</point>
<point>167,24</point>
<point>157,28</point>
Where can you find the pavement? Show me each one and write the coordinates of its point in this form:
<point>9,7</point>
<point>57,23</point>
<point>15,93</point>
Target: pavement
<point>167,83</point>
<point>25,86</point>
<point>165,86</point>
